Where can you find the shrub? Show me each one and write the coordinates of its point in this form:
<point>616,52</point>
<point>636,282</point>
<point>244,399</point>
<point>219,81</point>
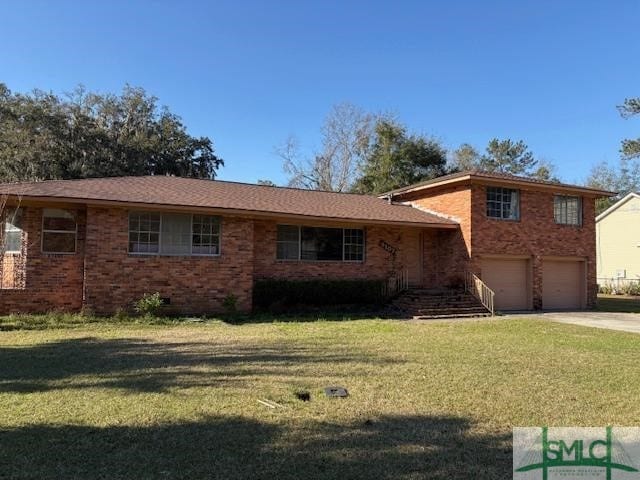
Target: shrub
<point>631,288</point>
<point>605,289</point>
<point>285,294</point>
<point>230,303</point>
<point>149,305</point>
<point>121,315</point>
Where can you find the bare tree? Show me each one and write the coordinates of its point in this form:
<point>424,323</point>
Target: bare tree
<point>346,138</point>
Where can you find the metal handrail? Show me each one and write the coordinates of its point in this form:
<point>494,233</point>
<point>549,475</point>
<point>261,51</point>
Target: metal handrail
<point>396,284</point>
<point>480,290</point>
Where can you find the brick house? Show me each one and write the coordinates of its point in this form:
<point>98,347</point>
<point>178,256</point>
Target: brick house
<point>102,243</point>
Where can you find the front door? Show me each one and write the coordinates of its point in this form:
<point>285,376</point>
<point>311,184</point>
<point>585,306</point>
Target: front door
<point>413,257</point>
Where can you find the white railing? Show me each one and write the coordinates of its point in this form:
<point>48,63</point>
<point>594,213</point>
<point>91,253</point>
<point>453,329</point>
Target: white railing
<point>618,286</point>
<point>396,284</point>
<point>479,289</point>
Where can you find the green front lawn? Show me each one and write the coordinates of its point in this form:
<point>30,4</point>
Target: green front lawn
<point>427,400</point>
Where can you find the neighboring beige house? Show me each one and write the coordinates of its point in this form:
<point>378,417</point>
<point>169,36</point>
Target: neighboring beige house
<point>618,241</point>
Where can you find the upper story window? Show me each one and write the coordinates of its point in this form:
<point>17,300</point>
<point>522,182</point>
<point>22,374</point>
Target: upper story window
<point>319,243</point>
<point>503,203</point>
<point>567,210</point>
<point>173,234</point>
<point>13,230</point>
<point>59,231</point>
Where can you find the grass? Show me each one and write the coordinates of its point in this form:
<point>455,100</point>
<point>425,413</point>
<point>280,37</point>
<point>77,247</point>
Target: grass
<point>618,303</point>
<point>168,399</point>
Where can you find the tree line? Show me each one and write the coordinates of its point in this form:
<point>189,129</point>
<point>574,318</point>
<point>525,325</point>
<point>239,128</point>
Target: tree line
<point>372,153</point>
<point>87,134</point>
<point>363,152</point>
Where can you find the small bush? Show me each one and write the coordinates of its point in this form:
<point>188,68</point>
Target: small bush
<point>87,312</point>
<point>285,294</point>
<point>149,305</point>
<point>230,303</point>
<point>631,288</point>
<point>121,315</point>
<point>605,289</point>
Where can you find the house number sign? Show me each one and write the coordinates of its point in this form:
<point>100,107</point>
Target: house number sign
<point>387,247</point>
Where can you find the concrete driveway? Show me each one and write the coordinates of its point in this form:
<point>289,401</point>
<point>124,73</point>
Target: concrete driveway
<point>627,322</point>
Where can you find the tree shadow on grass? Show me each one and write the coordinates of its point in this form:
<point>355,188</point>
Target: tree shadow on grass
<point>151,366</point>
<point>230,448</point>
<point>310,315</point>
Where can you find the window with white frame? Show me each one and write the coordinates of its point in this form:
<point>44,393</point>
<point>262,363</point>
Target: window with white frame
<point>59,231</point>
<point>567,210</point>
<point>173,234</point>
<point>206,235</point>
<point>503,203</point>
<point>13,230</point>
<point>144,232</point>
<point>296,242</point>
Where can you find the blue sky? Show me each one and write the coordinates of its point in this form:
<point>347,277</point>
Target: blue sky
<point>249,74</point>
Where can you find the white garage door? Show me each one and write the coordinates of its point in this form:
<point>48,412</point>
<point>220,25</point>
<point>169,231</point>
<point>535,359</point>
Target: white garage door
<point>508,279</point>
<point>562,284</point>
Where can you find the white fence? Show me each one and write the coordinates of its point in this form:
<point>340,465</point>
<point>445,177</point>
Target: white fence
<point>630,286</point>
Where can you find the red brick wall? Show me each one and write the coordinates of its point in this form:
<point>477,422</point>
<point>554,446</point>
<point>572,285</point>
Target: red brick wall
<point>378,264</point>
<point>114,279</point>
<point>46,281</point>
<point>108,278</point>
<point>446,252</point>
<point>535,235</point>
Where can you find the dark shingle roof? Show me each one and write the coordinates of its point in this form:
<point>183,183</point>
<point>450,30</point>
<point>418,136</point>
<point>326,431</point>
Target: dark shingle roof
<point>215,194</point>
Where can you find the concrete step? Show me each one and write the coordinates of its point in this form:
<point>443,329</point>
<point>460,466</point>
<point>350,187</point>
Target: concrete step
<point>435,297</point>
<point>443,316</point>
<point>475,309</point>
<point>466,303</point>
<point>429,303</point>
<point>438,305</point>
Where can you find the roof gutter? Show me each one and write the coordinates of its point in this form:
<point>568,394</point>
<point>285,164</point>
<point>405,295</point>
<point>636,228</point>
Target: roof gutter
<point>488,180</point>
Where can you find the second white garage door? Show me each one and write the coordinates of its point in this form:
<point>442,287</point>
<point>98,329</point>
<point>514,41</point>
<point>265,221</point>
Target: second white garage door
<point>508,278</point>
<point>562,284</point>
